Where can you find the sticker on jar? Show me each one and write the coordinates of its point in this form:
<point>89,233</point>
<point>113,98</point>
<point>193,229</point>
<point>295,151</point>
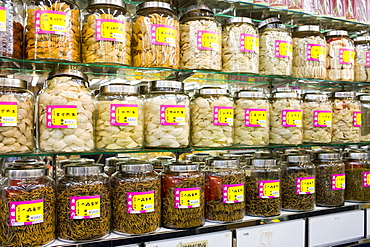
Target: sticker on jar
<point>223,115</point>
<point>187,197</point>
<point>23,213</point>
<point>322,118</point>
<point>338,181</point>
<point>8,113</point>
<point>283,49</point>
<point>305,185</point>
<point>208,40</point>
<point>255,117</point>
<point>316,52</point>
<point>346,56</point>
<point>2,19</point>
<point>292,118</point>
<point>249,43</point>
<point>111,30</point>
<point>162,35</point>
<point>367,59</point>
<point>357,119</point>
<point>124,115</point>
<point>84,207</point>
<point>172,114</point>
<point>268,188</point>
<point>51,22</point>
<point>366,179</point>
<point>61,116</point>
<point>232,193</point>
<point>140,202</point>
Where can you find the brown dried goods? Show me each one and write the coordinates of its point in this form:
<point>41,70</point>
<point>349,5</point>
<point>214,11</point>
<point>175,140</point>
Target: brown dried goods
<point>325,196</point>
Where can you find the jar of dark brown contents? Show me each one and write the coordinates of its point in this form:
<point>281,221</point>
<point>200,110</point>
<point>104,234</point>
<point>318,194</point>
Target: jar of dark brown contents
<point>330,179</point>
<point>83,203</point>
<point>262,188</point>
<point>182,196</point>
<point>298,183</point>
<point>136,200</point>
<point>224,190</point>
<point>357,164</point>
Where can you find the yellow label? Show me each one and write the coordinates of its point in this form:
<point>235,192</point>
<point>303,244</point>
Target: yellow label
<point>88,207</point>
<point>258,118</point>
<point>294,118</point>
<point>127,115</point>
<point>340,182</point>
<point>165,35</point>
<point>113,30</point>
<point>271,189</point>
<point>226,116</point>
<point>53,22</point>
<point>318,52</point>
<point>143,202</point>
<point>251,43</point>
<point>190,198</point>
<point>308,185</point>
<point>2,19</point>
<point>235,193</point>
<point>64,116</point>
<point>359,119</point>
<point>175,115</point>
<point>30,212</point>
<point>324,118</point>
<point>285,49</point>
<point>211,41</point>
<point>348,56</point>
<point>8,114</point>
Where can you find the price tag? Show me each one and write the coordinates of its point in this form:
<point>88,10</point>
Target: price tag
<point>140,202</point>
<point>232,193</point>
<point>84,207</point>
<point>201,243</point>
<point>255,117</point>
<point>269,189</point>
<point>366,179</point>
<point>187,197</point>
<point>124,114</point>
<point>111,30</point>
<point>249,43</point>
<point>322,118</point>
<point>357,119</point>
<point>346,56</point>
<point>367,59</point>
<point>163,35</point>
<point>305,185</point>
<point>61,116</point>
<point>283,49</point>
<point>52,22</point>
<point>8,113</point>
<point>2,19</point>
<point>338,181</point>
<point>208,40</point>
<point>172,114</point>
<point>292,118</point>
<point>223,115</point>
<point>24,213</point>
<point>316,52</point>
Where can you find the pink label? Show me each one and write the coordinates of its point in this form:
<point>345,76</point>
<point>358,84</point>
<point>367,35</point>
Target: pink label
<point>316,52</point>
<point>51,22</point>
<point>140,202</point>
<point>84,207</point>
<point>338,181</point>
<point>305,185</point>
<point>61,116</point>
<point>366,179</point>
<point>269,189</point>
<point>346,56</point>
<point>162,35</point>
<point>357,119</point>
<point>322,118</point>
<point>249,43</point>
<point>172,114</point>
<point>367,59</point>
<point>232,193</point>
<point>187,197</point>
<point>124,114</point>
<point>223,115</point>
<point>23,213</point>
<point>8,113</point>
<point>292,118</point>
<point>208,40</point>
<point>255,117</point>
<point>111,30</point>
<point>283,49</point>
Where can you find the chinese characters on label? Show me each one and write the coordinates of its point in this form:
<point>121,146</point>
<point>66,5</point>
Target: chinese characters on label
<point>268,189</point>
<point>357,119</point>
<point>322,118</point>
<point>223,115</point>
<point>305,185</point>
<point>111,30</point>
<point>52,22</point>
<point>367,59</point>
<point>249,43</point>
<point>232,193</point>
<point>84,207</point>
<point>255,117</point>
<point>283,49</point>
<point>172,114</point>
<point>208,40</point>
<point>292,118</point>
<point>162,35</point>
<point>316,52</point>
<point>187,197</point>
<point>2,19</point>
<point>346,56</point>
<point>124,114</point>
<point>338,181</point>
<point>140,202</point>
<point>366,179</point>
<point>24,213</point>
<point>8,113</point>
<point>61,116</point>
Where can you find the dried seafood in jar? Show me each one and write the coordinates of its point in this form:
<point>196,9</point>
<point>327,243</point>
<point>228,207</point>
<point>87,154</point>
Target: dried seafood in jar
<point>365,120</point>
<point>362,59</point>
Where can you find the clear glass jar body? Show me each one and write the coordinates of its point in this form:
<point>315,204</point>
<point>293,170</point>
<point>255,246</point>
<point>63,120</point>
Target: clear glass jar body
<point>337,68</point>
<point>298,186</point>
<point>274,37</point>
<point>27,191</point>
<point>282,133</point>
<point>158,132</point>
<point>317,121</point>
<point>99,44</point>
<point>362,66</point>
<point>62,92</point>
<point>49,39</point>
<point>251,132</point>
<point>346,127</point>
<point>365,126</point>
<point>19,136</point>
<point>309,55</point>
<point>12,31</point>
<point>220,207</point>
<point>91,188</point>
<point>207,130</point>
<point>126,184</point>
<point>235,56</point>
<point>195,26</point>
<point>114,135</point>
<point>357,188</point>
<point>181,217</point>
<point>147,52</point>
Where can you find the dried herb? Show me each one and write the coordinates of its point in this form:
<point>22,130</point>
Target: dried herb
<point>355,189</point>
<point>28,235</point>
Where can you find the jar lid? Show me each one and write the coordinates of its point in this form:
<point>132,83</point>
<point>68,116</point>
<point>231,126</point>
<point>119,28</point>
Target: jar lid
<point>337,33</point>
<point>269,21</point>
<point>11,82</point>
<point>262,154</point>
<point>21,171</point>
<point>263,162</point>
<point>221,161</point>
<point>200,157</point>
<point>135,166</point>
<point>327,156</point>
<point>250,94</point>
<point>240,20</point>
<point>119,3</point>
<point>166,85</point>
<point>362,38</point>
<point>197,7</point>
<point>364,97</point>
<point>25,164</point>
<point>298,158</point>
<point>176,167</point>
<point>344,94</point>
<point>281,95</point>
<point>119,88</point>
<point>356,155</point>
<point>307,28</point>
<point>67,72</point>
<point>315,96</point>
<point>83,169</point>
<point>75,161</point>
<point>154,4</point>
<point>213,91</point>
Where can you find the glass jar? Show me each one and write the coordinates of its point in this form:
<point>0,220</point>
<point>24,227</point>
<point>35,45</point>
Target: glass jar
<point>111,163</point>
<point>346,117</point>
<point>167,115</point>
<point>298,183</point>
<point>156,36</point>
<point>200,159</point>
<point>17,109</point>
<point>224,190</point>
<point>53,30</point>
<point>65,113</point>
<point>240,47</point>
<point>365,117</point>
<point>317,118</point>
<point>83,203</point>
<point>357,163</point>
<point>262,188</point>
<point>286,118</point>
<point>252,118</point>
<point>200,43</point>
<point>362,59</point>
<point>340,56</point>
<point>275,48</point>
<point>330,179</point>
<point>136,198</point>
<point>309,52</point>
<point>186,210</point>
<point>26,187</point>
<point>119,117</point>
<point>212,118</point>
<point>161,162</point>
<point>62,163</point>
<point>106,33</point>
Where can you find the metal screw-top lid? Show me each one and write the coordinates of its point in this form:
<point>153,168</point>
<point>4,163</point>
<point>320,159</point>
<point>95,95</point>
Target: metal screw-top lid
<point>119,88</point>
<point>356,155</point>
<point>336,33</point>
<point>63,163</point>
<point>135,166</point>
<point>362,39</point>
<point>24,171</point>
<point>221,161</point>
<point>25,164</point>
<point>298,158</point>
<point>315,96</point>
<point>11,82</point>
<point>67,72</point>
<point>327,156</point>
<point>83,169</point>
<point>281,95</point>
<point>239,20</point>
<point>262,154</point>
<point>197,7</point>
<point>364,97</point>
<point>263,162</point>
<point>178,167</point>
<point>213,91</point>
<point>269,21</point>
<point>113,161</point>
<point>154,4</point>
<point>166,86</point>
<point>119,3</point>
<point>200,157</point>
<point>251,94</point>
<point>307,28</point>
<point>344,94</point>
